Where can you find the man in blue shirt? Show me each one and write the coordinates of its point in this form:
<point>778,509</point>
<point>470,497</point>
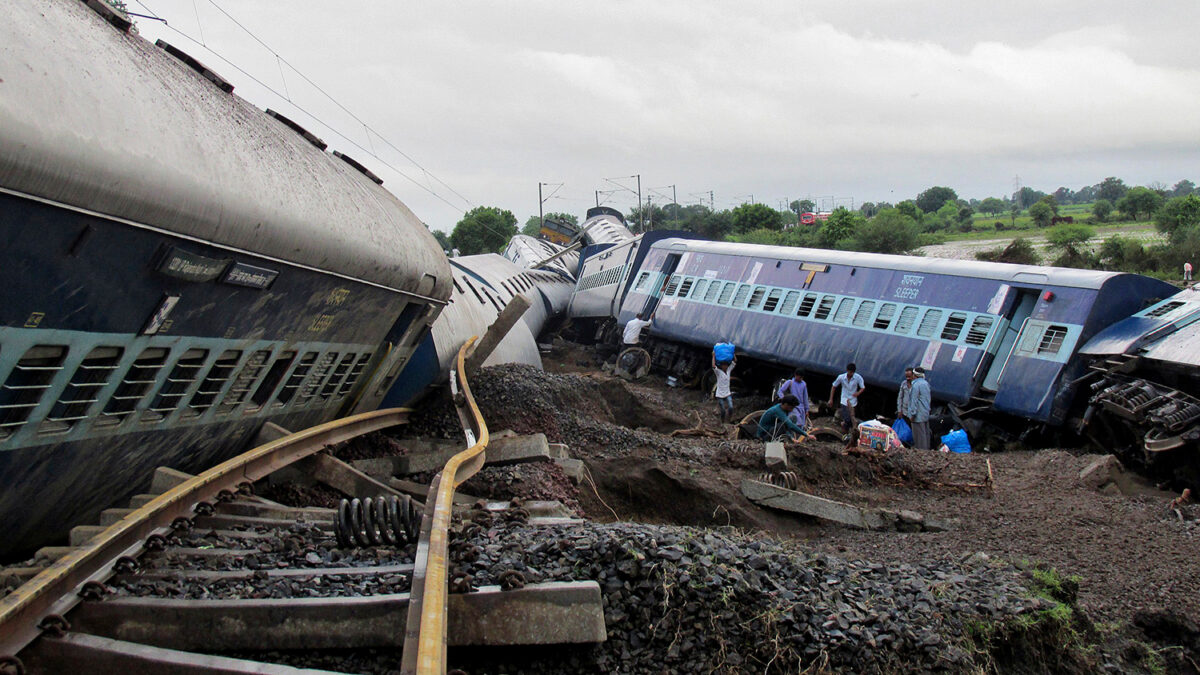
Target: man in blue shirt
<point>775,423</point>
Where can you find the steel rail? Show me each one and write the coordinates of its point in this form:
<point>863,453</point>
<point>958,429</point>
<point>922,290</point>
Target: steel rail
<point>429,590</point>
<point>56,590</point>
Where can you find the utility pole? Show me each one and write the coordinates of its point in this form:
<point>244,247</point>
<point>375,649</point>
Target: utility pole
<point>541,202</point>
<point>675,201</point>
<point>597,198</point>
<point>639,179</point>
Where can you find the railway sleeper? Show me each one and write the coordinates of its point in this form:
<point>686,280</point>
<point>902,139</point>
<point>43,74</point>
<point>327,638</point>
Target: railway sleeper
<point>79,652</point>
<point>549,613</point>
<point>239,575</point>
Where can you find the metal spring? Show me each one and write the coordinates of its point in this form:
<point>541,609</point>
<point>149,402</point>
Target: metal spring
<point>783,479</point>
<point>378,521</point>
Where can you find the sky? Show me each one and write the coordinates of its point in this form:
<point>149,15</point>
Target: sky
<point>465,103</point>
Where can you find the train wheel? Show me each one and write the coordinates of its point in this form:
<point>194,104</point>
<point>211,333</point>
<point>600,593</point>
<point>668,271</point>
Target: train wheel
<point>633,363</point>
<point>708,382</point>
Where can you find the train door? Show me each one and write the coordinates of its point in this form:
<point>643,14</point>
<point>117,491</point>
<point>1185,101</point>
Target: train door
<point>1015,322</point>
<point>667,270</point>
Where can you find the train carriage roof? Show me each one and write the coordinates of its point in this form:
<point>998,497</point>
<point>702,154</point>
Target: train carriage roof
<point>101,120</point>
<point>1008,273</point>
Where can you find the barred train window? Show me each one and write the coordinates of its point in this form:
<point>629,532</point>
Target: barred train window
<point>29,380</point>
<point>76,399</point>
<point>672,285</point>
<point>806,306</point>
<point>267,387</point>
<point>726,293</point>
<point>980,327</point>
<point>929,322</point>
<point>355,373</point>
<point>843,311</point>
<point>789,302</point>
<point>179,380</point>
<point>313,384</point>
<point>884,319</point>
<point>714,289</point>
<point>772,300</point>
<point>288,391</point>
<point>244,382</point>
<point>685,287</point>
<point>339,373</point>
<point>135,384</point>
<point>824,308</point>
<point>698,292</point>
<point>954,326</point>
<point>756,298</point>
<point>908,316</point>
<point>1052,340</point>
<point>641,282</point>
<point>863,315</point>
<point>214,381</point>
<point>739,300</point>
<point>1165,309</point>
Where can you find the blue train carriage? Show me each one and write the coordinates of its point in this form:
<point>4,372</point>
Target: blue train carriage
<point>605,274</point>
<point>1147,378</point>
<point>179,268</point>
<point>1004,335</point>
<point>483,286</point>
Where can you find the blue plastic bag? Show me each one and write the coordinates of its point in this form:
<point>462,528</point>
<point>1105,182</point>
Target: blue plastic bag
<point>956,441</point>
<point>723,351</point>
<point>903,431</point>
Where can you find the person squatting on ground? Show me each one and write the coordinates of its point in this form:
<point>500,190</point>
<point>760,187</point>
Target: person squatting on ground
<point>724,396</point>
<point>776,425</point>
<point>852,385</point>
<point>798,388</point>
<point>916,412</point>
<point>633,329</point>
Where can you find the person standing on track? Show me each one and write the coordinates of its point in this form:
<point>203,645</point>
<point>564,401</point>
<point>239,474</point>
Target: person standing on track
<point>798,388</point>
<point>633,329</point>
<point>722,393</point>
<point>852,385</point>
<point>919,402</point>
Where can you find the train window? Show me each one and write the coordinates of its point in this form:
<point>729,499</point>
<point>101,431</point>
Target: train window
<point>954,326</point>
<point>884,319</point>
<point>1166,308</point>
<point>492,297</point>
<point>672,285</point>
<point>26,384</point>
<point>170,395</point>
<point>739,298</point>
<point>134,385</point>
<point>244,382</point>
<point>929,322</point>
<point>355,373</point>
<point>473,290</point>
<point>789,302</point>
<point>317,378</point>
<point>863,315</point>
<point>980,327</point>
<point>698,292</point>
<point>82,391</point>
<point>726,293</point>
<point>218,374</point>
<point>643,278</point>
<point>842,315</point>
<point>772,300</point>
<point>756,298</point>
<point>288,391</point>
<point>339,374</point>
<point>714,289</point>
<point>458,287</point>
<point>806,306</point>
<point>263,392</point>
<point>1052,340</point>
<point>824,308</point>
<point>685,287</point>
<point>908,316</point>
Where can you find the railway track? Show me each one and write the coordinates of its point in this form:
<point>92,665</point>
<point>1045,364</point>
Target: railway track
<point>207,568</point>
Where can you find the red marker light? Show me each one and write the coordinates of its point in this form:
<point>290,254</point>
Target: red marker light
<point>1048,296</point>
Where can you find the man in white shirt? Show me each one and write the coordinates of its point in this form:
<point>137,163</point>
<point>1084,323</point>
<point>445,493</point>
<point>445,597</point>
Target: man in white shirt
<point>633,329</point>
<point>852,387</point>
<point>722,392</point>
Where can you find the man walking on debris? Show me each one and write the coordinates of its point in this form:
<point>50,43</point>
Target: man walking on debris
<point>917,412</point>
<point>797,387</point>
<point>633,329</point>
<point>722,393</point>
<point>852,387</point>
<point>775,424</point>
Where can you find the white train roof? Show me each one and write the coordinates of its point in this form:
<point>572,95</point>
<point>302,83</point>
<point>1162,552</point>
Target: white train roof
<point>101,120</point>
<point>526,251</point>
<point>1032,274</point>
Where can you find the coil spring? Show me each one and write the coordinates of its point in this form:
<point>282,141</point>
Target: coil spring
<point>386,520</point>
<point>783,479</point>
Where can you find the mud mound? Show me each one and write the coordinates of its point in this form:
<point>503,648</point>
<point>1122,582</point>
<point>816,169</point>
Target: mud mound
<point>374,444</point>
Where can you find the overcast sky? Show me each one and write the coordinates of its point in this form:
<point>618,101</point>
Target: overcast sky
<point>856,101</point>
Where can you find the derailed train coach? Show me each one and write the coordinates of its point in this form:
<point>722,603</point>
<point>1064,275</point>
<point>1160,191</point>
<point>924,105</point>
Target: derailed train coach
<point>1003,337</point>
<point>179,269</point>
<point>1143,380</point>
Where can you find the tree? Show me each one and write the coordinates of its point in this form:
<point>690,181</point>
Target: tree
<point>1019,252</point>
<point>1102,209</point>
<point>991,206</point>
<point>483,229</point>
<point>1069,240</point>
<point>1013,212</point>
<point>888,232</point>
<point>1050,201</point>
<point>1063,195</point>
<point>1183,188</point>
<point>909,208</point>
<point>442,240</point>
<point>1041,213</point>
<point>840,227</point>
<point>1027,196</point>
<point>1111,188</point>
<point>869,209</point>
<point>965,214</point>
<point>932,199</point>
<point>1178,216</point>
<point>1140,200</point>
<point>749,217</point>
<point>799,206</point>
